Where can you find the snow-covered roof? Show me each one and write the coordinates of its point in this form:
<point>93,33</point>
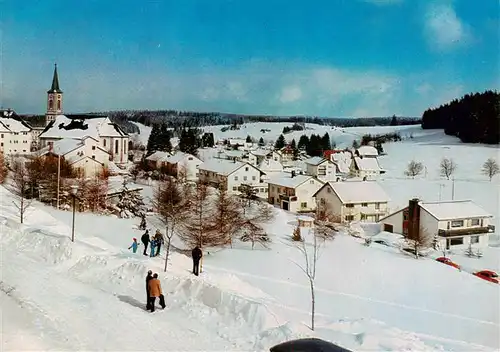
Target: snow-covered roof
<point>285,179</point>
<point>64,127</point>
<point>270,165</point>
<point>233,141</point>
<point>234,153</point>
<point>458,209</point>
<point>62,147</point>
<point>367,164</point>
<point>315,160</point>
<point>358,191</point>
<point>158,155</point>
<point>261,152</point>
<point>222,166</point>
<point>11,125</point>
<point>367,150</point>
<point>343,161</point>
<point>180,156</point>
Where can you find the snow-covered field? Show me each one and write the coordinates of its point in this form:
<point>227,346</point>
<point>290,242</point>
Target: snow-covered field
<point>89,295</point>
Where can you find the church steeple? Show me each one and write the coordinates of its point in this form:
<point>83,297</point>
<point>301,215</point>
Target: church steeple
<point>55,82</point>
<point>54,99</point>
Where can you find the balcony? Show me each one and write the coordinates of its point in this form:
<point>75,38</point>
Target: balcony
<point>288,198</point>
<point>466,231</point>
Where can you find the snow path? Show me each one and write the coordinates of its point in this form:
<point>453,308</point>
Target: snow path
<point>329,292</point>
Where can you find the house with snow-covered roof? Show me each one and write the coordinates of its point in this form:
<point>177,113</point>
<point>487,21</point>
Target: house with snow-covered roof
<point>183,165</point>
<point>366,151</point>
<point>110,136</point>
<point>157,159</point>
<point>84,155</point>
<point>457,224</point>
<point>15,135</point>
<point>322,168</point>
<point>293,192</point>
<point>229,173</point>
<point>367,168</point>
<point>353,200</point>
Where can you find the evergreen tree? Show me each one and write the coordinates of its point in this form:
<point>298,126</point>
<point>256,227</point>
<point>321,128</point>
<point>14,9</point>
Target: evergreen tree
<point>325,142</point>
<point>188,141</point>
<point>394,121</point>
<point>280,142</point>
<point>355,144</point>
<point>249,139</point>
<point>153,139</point>
<point>293,145</point>
<point>315,146</point>
<point>164,143</point>
<point>303,142</point>
<point>129,203</point>
<point>207,140</point>
<point>379,147</point>
<point>261,142</point>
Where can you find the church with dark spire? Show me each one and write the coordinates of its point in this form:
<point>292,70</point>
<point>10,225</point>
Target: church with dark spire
<point>54,99</point>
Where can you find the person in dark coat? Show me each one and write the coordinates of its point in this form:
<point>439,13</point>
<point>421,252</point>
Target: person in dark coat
<point>154,292</point>
<point>148,298</point>
<point>145,241</point>
<point>196,253</point>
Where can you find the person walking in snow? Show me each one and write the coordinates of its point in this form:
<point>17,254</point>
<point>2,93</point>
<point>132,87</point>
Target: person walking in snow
<point>149,277</point>
<point>196,253</point>
<point>134,245</point>
<point>159,241</point>
<point>154,292</point>
<point>153,247</point>
<point>145,241</point>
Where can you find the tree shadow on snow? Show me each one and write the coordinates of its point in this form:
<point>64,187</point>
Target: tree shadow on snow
<point>132,301</point>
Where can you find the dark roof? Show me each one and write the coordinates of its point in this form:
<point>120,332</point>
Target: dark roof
<point>55,82</point>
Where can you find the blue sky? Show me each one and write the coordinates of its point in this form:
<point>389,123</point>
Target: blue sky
<point>326,58</point>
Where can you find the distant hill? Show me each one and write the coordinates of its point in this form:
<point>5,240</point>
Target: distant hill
<point>474,118</point>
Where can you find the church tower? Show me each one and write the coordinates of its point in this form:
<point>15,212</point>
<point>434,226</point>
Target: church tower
<point>54,99</point>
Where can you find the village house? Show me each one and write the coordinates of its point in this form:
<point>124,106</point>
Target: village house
<point>183,165</point>
<point>366,168</point>
<point>84,155</point>
<point>232,174</point>
<point>58,127</point>
<point>293,192</point>
<point>255,157</point>
<point>342,158</point>
<point>366,151</point>
<point>286,155</point>
<point>321,168</point>
<point>15,135</point>
<point>353,200</point>
<point>237,155</point>
<point>458,223</point>
<point>158,159</point>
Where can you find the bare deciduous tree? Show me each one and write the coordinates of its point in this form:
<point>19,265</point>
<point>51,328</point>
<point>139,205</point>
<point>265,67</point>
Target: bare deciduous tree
<point>447,167</point>
<point>490,168</point>
<point>414,168</point>
<point>227,215</point>
<point>3,169</point>
<point>311,256</point>
<point>323,221</point>
<point>251,225</point>
<point>19,186</point>
<point>419,240</point>
<point>172,205</point>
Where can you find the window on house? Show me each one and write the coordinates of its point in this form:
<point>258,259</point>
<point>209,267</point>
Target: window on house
<point>303,205</point>
<point>364,204</point>
<point>474,239</point>
<point>104,142</point>
<point>363,216</point>
<point>246,169</point>
<point>93,147</point>
<point>456,241</point>
<point>349,217</point>
<point>235,188</point>
<point>475,222</point>
<point>236,178</point>
<point>311,182</point>
<point>244,178</point>
<point>329,190</point>
<point>190,158</point>
<point>457,223</point>
<point>51,104</point>
<point>322,201</point>
<point>93,156</point>
<point>1,144</point>
<point>254,178</point>
<point>116,147</point>
<point>25,133</point>
<point>349,205</point>
<point>377,206</point>
<point>1,135</point>
<point>58,104</point>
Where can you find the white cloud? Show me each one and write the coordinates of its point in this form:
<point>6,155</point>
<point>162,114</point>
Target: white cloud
<point>290,94</point>
<point>443,27</point>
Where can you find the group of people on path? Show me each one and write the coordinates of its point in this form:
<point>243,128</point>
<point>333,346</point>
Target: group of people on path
<point>153,285</point>
<point>154,243</point>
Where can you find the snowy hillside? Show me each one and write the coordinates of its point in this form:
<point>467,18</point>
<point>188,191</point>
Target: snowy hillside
<point>89,295</point>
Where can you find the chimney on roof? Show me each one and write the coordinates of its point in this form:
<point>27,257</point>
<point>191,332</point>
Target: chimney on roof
<point>413,219</point>
<point>293,173</point>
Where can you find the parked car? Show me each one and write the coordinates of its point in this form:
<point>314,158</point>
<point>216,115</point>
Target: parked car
<point>488,275</point>
<point>448,261</point>
<point>307,345</point>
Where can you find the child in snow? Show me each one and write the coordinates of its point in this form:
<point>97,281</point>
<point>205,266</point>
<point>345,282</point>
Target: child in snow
<point>134,245</point>
<point>153,247</point>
